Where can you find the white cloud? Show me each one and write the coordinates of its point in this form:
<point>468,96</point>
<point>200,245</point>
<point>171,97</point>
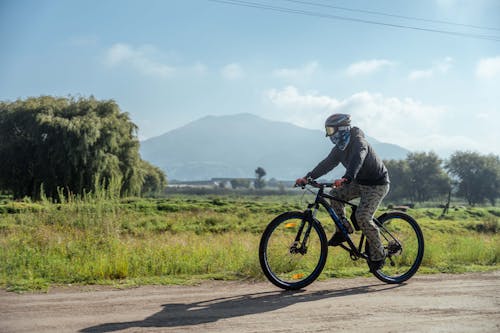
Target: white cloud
<point>444,65</point>
<point>483,115</point>
<point>406,122</point>
<point>420,74</point>
<point>232,71</point>
<point>439,67</point>
<point>291,97</point>
<point>307,110</point>
<point>488,68</point>
<point>305,71</point>
<point>367,66</point>
<point>447,144</point>
<point>138,58</point>
<point>199,68</point>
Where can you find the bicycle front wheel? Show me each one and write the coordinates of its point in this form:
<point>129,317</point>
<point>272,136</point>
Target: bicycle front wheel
<point>293,250</point>
<point>404,242</point>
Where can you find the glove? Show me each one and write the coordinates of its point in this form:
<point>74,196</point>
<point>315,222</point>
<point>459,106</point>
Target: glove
<point>339,182</point>
<point>301,182</point>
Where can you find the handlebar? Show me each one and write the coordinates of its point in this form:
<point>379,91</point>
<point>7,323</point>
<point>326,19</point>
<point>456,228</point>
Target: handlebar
<point>321,187</point>
<point>315,184</point>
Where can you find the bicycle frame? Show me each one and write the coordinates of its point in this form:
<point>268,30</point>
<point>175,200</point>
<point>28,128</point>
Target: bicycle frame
<point>354,252</point>
<point>282,262</point>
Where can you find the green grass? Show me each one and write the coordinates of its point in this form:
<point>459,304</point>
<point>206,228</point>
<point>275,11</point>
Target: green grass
<point>187,239</point>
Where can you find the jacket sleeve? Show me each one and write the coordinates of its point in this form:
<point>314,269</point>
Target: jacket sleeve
<point>323,167</point>
<point>359,152</point>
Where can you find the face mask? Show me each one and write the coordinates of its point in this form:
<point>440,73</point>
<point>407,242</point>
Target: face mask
<point>341,139</point>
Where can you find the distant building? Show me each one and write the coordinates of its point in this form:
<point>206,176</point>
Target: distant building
<point>228,183</point>
<point>191,183</point>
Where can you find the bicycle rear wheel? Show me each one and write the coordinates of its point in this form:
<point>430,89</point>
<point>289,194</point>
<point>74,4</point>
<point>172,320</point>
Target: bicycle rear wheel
<point>403,240</point>
<point>293,250</point>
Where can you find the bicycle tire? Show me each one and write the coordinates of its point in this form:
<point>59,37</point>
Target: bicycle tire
<point>403,259</point>
<point>287,270</point>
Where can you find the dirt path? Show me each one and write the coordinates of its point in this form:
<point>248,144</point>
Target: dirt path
<point>432,303</point>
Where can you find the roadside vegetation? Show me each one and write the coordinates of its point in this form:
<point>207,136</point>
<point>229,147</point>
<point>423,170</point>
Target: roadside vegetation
<point>101,238</point>
<point>71,145</point>
<point>71,177</point>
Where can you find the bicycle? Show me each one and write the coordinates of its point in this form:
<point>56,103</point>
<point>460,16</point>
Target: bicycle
<point>293,248</point>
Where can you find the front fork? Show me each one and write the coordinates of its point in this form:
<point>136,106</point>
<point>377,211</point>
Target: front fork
<point>299,246</point>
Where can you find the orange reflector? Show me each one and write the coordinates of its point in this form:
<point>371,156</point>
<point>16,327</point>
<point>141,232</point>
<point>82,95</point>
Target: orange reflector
<point>297,276</point>
<point>291,225</point>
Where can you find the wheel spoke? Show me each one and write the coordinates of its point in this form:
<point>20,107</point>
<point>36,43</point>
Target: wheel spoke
<point>403,241</point>
<point>290,258</point>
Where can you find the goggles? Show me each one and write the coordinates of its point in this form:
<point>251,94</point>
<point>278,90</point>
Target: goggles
<point>332,130</point>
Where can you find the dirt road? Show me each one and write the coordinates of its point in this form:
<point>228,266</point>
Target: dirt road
<point>432,303</point>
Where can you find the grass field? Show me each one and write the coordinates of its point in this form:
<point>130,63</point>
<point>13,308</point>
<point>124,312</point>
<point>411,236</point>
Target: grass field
<point>185,239</point>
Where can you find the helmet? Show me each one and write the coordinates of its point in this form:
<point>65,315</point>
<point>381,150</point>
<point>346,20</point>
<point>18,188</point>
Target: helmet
<point>337,121</point>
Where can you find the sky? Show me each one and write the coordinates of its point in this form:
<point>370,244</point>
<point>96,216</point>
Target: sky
<point>168,63</point>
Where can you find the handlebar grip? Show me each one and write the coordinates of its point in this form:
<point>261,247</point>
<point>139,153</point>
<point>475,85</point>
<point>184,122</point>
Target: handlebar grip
<point>318,185</point>
<point>313,183</point>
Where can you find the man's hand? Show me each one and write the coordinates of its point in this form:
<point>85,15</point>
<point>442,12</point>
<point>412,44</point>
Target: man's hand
<point>339,182</point>
<point>301,182</point>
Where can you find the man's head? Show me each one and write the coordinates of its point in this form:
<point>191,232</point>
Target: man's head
<point>338,128</point>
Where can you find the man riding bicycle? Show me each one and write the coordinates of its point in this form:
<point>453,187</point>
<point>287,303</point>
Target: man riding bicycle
<point>366,177</point>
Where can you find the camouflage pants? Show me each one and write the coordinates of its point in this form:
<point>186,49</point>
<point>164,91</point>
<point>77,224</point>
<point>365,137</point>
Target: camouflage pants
<point>370,197</point>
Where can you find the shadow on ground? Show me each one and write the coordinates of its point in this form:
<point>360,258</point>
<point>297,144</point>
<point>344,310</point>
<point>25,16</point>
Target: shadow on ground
<point>182,314</point>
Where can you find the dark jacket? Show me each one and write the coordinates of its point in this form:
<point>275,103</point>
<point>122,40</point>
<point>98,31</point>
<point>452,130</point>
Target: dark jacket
<point>360,160</point>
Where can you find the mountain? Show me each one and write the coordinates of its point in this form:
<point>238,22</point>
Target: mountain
<point>235,145</point>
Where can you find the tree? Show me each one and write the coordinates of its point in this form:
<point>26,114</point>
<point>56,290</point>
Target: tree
<point>259,181</point>
<point>67,143</point>
<point>478,176</point>
<point>399,173</point>
<point>154,179</point>
<point>427,177</point>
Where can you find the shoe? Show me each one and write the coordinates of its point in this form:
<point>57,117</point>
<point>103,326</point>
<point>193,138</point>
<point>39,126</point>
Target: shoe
<point>377,264</point>
<point>336,239</point>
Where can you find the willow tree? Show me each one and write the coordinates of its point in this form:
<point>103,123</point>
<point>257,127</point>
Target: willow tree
<point>154,179</point>
<point>69,144</point>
